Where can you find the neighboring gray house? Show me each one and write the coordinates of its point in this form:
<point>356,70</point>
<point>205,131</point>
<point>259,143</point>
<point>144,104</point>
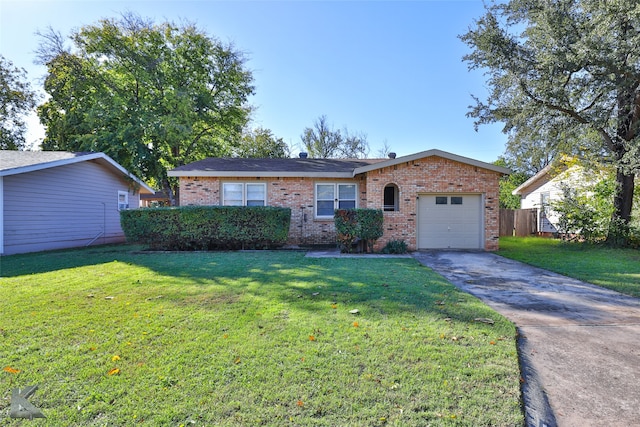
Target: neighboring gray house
<point>55,199</point>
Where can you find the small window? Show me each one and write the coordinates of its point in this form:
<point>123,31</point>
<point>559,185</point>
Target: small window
<point>390,202</point>
<point>243,194</point>
<point>330,197</point>
<point>456,200</point>
<point>441,200</point>
<point>123,200</point>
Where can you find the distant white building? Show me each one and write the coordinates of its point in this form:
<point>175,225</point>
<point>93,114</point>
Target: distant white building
<point>546,187</point>
<point>55,200</point>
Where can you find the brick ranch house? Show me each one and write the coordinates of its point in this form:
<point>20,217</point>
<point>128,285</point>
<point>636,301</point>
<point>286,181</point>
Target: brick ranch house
<point>431,200</point>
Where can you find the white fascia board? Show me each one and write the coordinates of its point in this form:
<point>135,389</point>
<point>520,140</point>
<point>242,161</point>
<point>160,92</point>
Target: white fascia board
<point>249,174</point>
<point>53,164</point>
<point>77,159</point>
<point>542,174</point>
<point>430,153</point>
<point>119,167</point>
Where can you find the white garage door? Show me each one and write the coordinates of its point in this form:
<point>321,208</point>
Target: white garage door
<point>450,221</point>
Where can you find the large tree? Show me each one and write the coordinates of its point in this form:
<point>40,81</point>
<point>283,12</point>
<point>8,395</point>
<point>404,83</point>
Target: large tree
<point>261,143</point>
<point>323,141</point>
<point>569,69</point>
<point>151,96</point>
<point>16,100</point>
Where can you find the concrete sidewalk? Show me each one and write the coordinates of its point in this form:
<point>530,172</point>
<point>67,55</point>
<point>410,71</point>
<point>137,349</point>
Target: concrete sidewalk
<point>578,343</point>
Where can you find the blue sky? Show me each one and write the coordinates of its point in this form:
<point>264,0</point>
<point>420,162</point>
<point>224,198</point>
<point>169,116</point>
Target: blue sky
<point>392,70</point>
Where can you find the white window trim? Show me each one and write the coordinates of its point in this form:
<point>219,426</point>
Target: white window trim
<point>244,191</point>
<point>125,205</point>
<point>336,201</point>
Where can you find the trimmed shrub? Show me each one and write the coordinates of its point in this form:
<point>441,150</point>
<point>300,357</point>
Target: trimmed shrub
<point>354,225</point>
<point>395,247</point>
<point>207,227</point>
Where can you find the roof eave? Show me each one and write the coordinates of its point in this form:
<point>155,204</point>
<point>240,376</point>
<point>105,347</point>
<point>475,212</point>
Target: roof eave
<point>259,174</point>
<point>77,159</point>
<point>430,153</point>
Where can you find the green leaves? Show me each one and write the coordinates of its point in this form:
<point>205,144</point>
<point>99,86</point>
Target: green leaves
<point>564,78</point>
<point>152,96</point>
<point>16,99</point>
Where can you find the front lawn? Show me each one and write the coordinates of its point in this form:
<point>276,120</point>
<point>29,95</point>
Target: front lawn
<point>617,269</point>
<point>117,337</point>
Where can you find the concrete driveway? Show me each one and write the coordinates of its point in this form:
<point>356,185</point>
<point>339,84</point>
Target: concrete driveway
<point>579,344</point>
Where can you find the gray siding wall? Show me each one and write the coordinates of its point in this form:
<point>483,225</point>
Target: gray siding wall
<point>63,207</point>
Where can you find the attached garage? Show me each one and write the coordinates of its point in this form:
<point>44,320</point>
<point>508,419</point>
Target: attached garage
<point>450,221</point>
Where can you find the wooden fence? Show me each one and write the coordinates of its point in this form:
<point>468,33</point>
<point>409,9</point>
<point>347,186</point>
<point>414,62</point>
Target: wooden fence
<point>518,222</point>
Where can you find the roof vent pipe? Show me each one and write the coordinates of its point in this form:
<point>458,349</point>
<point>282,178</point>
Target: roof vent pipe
<point>303,155</point>
<point>392,155</point>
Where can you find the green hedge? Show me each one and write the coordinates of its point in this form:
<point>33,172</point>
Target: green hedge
<point>354,225</point>
<point>207,227</point>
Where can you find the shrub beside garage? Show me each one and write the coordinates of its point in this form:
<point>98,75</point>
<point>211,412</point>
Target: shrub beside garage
<point>207,227</point>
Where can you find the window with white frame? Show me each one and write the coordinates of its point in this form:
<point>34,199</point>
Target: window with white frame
<point>330,197</point>
<point>123,200</point>
<point>244,194</point>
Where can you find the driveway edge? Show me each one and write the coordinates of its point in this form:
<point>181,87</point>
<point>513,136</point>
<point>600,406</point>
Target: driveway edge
<point>537,410</point>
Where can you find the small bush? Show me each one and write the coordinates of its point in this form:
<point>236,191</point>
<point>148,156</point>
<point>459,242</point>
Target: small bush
<point>395,247</point>
<point>207,227</point>
<point>358,224</point>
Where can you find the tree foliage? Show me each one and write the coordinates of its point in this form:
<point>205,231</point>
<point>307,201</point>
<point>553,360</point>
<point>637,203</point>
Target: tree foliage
<point>324,142</point>
<point>16,100</point>
<point>508,183</point>
<point>261,143</point>
<point>567,74</point>
<point>151,96</point>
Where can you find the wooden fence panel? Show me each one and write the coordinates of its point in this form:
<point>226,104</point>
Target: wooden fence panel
<point>518,222</point>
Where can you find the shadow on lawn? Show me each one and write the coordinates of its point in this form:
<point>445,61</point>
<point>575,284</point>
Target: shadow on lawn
<point>308,283</point>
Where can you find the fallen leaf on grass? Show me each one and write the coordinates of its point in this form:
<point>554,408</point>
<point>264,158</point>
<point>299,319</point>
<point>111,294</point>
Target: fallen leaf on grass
<point>312,338</point>
<point>354,311</point>
<point>11,370</point>
<point>356,325</point>
<point>115,358</point>
<point>109,297</point>
<point>114,371</point>
<point>484,320</point>
<point>315,294</point>
<point>300,403</point>
<point>492,342</point>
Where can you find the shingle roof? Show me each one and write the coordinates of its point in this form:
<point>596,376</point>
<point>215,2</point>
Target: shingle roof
<point>13,159</point>
<point>217,166</point>
<point>303,167</point>
<point>13,162</point>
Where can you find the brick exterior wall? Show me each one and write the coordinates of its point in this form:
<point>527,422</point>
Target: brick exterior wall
<point>427,175</point>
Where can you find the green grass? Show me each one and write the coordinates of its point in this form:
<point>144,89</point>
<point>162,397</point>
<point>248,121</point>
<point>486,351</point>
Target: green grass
<point>617,269</point>
<point>250,338</point>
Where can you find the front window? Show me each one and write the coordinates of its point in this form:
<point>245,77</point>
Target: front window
<point>330,197</point>
<point>244,194</point>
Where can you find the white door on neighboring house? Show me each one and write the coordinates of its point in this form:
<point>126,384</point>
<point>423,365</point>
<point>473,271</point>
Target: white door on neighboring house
<point>452,221</point>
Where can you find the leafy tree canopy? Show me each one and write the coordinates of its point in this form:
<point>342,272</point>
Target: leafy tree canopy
<point>324,142</point>
<point>565,73</point>
<point>508,183</point>
<point>261,143</point>
<point>151,96</point>
<point>16,100</point>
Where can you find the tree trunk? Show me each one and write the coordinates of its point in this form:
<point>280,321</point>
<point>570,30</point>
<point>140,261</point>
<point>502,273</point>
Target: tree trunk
<point>173,195</point>
<point>622,204</point>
